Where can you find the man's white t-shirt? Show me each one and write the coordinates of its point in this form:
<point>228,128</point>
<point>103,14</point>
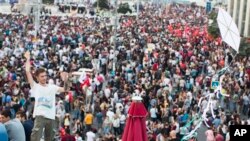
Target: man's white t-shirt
<point>110,114</point>
<point>45,100</point>
<point>107,92</point>
<point>153,113</point>
<point>90,136</point>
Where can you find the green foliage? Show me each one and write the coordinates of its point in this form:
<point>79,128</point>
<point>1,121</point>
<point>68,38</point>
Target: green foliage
<point>213,15</point>
<point>102,4</point>
<point>213,28</point>
<point>244,49</point>
<point>48,1</point>
<point>124,8</point>
<point>1,44</point>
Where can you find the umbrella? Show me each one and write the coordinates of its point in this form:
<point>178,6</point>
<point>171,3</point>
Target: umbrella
<point>135,129</point>
<point>228,29</point>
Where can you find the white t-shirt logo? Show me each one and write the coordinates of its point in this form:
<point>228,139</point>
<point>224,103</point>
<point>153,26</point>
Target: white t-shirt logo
<point>45,102</point>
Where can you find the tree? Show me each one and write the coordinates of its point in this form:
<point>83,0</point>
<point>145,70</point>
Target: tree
<point>213,28</point>
<point>102,4</point>
<point>244,49</point>
<point>48,1</point>
<point>124,8</point>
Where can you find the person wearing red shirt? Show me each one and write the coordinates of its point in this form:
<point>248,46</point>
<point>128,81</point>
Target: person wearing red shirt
<point>68,137</point>
<point>219,137</point>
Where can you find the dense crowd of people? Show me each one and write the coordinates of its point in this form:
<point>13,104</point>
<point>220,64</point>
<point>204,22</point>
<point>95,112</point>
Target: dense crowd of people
<point>166,56</point>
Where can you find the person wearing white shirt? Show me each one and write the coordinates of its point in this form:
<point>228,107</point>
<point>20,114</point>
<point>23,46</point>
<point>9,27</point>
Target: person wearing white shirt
<point>116,125</point>
<point>110,114</point>
<point>78,137</point>
<point>107,92</point>
<point>153,113</point>
<point>204,104</point>
<point>90,136</point>
<point>122,122</point>
<point>126,108</point>
<point>45,98</point>
<point>119,106</point>
<point>245,104</point>
<point>7,51</point>
<point>116,98</point>
<point>177,130</point>
<point>89,95</point>
<point>189,94</point>
<point>103,61</point>
<point>60,113</point>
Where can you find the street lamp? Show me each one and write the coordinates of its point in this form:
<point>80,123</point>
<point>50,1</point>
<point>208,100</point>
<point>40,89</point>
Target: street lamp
<point>115,35</point>
<point>137,9</point>
<point>115,24</point>
<point>37,17</point>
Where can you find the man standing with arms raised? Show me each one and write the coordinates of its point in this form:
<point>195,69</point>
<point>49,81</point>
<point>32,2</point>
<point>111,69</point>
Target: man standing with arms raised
<point>45,101</point>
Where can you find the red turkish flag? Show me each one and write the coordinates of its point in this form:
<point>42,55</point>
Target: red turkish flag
<point>86,83</point>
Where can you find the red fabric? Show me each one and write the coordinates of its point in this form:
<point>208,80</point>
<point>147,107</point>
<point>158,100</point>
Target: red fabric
<point>10,76</point>
<point>127,23</point>
<point>86,82</point>
<point>155,67</point>
<point>146,58</point>
<point>170,28</point>
<point>222,63</point>
<point>135,129</point>
<point>137,109</point>
<point>190,53</point>
<point>219,137</point>
<point>83,46</point>
<point>31,62</point>
<point>196,32</point>
<point>183,65</point>
<point>178,33</point>
<point>68,138</point>
<point>62,132</point>
<point>60,39</point>
<point>100,79</point>
<point>199,80</point>
<point>143,29</point>
<point>178,71</point>
<point>205,48</point>
<point>70,97</point>
<point>248,71</point>
<point>156,54</point>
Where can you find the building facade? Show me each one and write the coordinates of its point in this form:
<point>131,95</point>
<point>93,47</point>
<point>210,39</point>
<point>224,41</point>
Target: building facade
<point>240,11</point>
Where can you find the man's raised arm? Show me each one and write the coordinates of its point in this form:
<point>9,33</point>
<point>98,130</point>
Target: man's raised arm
<point>27,69</point>
<point>65,79</point>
